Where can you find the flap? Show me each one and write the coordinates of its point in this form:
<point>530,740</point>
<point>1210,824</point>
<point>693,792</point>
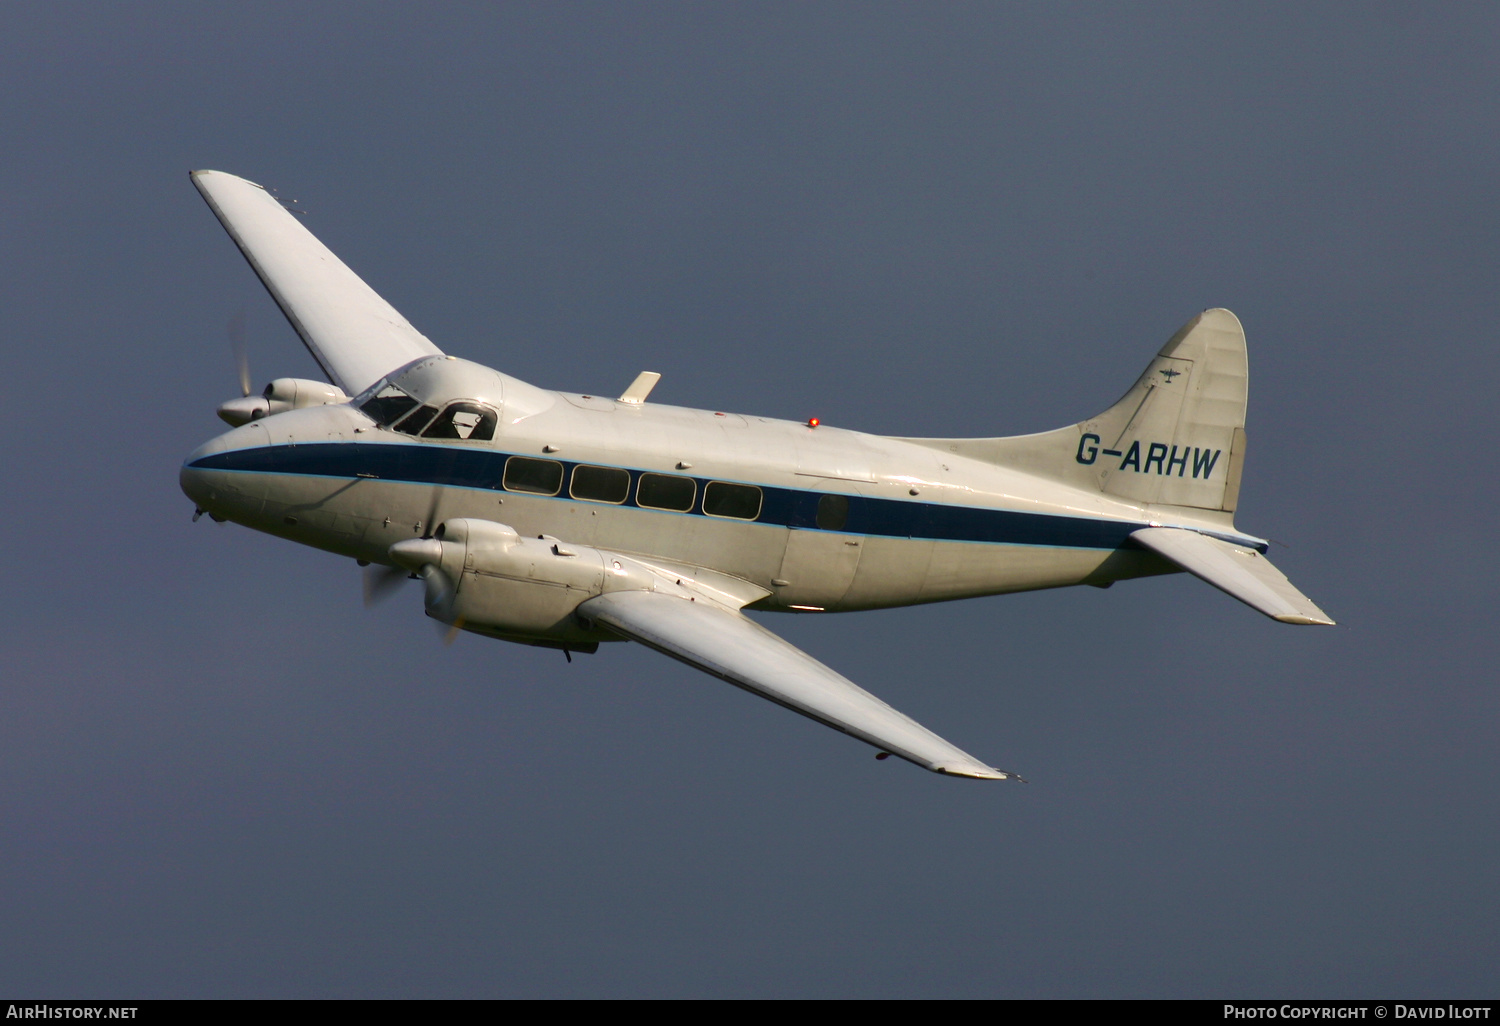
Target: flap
<point>356,337</point>
<point>735,648</point>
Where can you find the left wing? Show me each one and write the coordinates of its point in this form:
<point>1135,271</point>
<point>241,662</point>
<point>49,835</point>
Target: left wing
<point>356,337</point>
<point>735,648</point>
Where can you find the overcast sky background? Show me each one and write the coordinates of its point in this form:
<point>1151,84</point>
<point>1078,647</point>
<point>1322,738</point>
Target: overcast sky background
<point>221,776</point>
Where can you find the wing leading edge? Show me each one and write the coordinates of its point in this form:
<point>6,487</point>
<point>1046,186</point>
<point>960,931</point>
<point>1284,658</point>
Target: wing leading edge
<point>735,648</point>
<point>356,336</point>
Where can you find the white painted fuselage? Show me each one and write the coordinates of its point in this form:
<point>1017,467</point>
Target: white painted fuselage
<point>936,525</point>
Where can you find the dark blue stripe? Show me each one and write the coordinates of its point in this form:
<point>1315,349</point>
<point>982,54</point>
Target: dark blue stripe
<point>785,507</point>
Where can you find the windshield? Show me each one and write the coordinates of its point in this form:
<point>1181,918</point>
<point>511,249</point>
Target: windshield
<point>388,405</point>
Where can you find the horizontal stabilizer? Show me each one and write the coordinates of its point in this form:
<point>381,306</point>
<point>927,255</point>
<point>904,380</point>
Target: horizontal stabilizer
<point>356,337</point>
<point>1238,571</point>
<point>735,648</point>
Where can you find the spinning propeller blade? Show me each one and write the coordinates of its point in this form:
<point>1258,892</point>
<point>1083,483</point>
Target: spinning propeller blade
<point>236,331</point>
<point>418,556</point>
<point>430,524</point>
<point>381,582</point>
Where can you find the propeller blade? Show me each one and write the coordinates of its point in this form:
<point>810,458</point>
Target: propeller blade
<point>440,601</point>
<point>439,590</point>
<point>430,524</point>
<point>422,556</point>
<point>236,330</point>
<point>381,582</point>
<point>450,631</point>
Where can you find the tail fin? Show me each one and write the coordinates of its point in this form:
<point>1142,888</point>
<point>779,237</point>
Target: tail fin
<point>1176,438</point>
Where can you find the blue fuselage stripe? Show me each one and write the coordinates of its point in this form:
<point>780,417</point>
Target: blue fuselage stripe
<point>784,507</point>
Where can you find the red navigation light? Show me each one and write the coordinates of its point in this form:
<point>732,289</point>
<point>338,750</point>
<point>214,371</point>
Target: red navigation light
<point>813,422</point>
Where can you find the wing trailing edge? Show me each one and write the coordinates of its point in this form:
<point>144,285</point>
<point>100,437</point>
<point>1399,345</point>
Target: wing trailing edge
<point>1235,570</point>
<point>734,648</point>
<point>356,336</point>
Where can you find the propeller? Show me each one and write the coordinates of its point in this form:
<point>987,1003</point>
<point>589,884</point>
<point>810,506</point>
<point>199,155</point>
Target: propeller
<point>439,598</point>
<point>421,556</point>
<point>430,524</point>
<point>437,590</point>
<point>236,331</point>
<point>243,410</point>
<point>381,581</point>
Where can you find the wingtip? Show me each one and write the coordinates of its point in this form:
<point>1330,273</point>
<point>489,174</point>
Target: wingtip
<point>976,771</point>
<point>1309,621</point>
<point>202,172</point>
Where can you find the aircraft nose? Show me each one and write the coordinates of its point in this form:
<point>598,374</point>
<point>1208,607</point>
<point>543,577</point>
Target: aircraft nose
<point>195,483</point>
<point>200,479</point>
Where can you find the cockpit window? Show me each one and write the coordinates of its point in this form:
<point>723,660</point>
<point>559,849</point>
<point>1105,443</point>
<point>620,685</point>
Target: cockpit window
<point>415,422</point>
<point>465,421</point>
<point>388,405</point>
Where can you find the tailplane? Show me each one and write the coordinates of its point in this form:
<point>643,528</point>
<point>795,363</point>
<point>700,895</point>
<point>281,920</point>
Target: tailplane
<point>1236,570</point>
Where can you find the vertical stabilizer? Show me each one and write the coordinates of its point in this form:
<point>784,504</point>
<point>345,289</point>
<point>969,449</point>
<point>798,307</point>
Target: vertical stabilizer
<point>1176,438</point>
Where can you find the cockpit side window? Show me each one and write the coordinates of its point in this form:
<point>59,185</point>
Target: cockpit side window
<point>388,405</point>
<point>465,421</point>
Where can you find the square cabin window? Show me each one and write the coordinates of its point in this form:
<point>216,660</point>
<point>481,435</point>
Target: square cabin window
<point>600,484</point>
<point>542,477</point>
<point>740,502</point>
<point>666,491</point>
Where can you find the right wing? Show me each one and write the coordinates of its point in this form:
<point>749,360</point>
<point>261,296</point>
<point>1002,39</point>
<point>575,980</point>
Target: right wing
<point>735,648</point>
<point>356,337</point>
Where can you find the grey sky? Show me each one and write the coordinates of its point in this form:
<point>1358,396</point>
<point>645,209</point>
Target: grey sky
<point>220,775</point>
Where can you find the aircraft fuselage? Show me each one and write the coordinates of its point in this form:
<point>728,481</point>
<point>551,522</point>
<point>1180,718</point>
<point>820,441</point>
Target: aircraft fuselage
<point>846,520</point>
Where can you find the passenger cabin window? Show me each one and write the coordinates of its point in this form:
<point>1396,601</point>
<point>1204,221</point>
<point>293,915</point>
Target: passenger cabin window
<point>388,405</point>
<point>722,499</point>
<point>833,512</point>
<point>543,477</point>
<point>414,422</point>
<point>666,491</point>
<point>464,421</point>
<point>601,484</point>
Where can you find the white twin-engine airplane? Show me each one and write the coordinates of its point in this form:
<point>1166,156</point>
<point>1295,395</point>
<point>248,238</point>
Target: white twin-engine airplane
<point>563,520</point>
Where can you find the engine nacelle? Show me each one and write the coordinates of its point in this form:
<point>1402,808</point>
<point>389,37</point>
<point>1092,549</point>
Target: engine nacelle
<point>281,395</point>
<point>524,589</point>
